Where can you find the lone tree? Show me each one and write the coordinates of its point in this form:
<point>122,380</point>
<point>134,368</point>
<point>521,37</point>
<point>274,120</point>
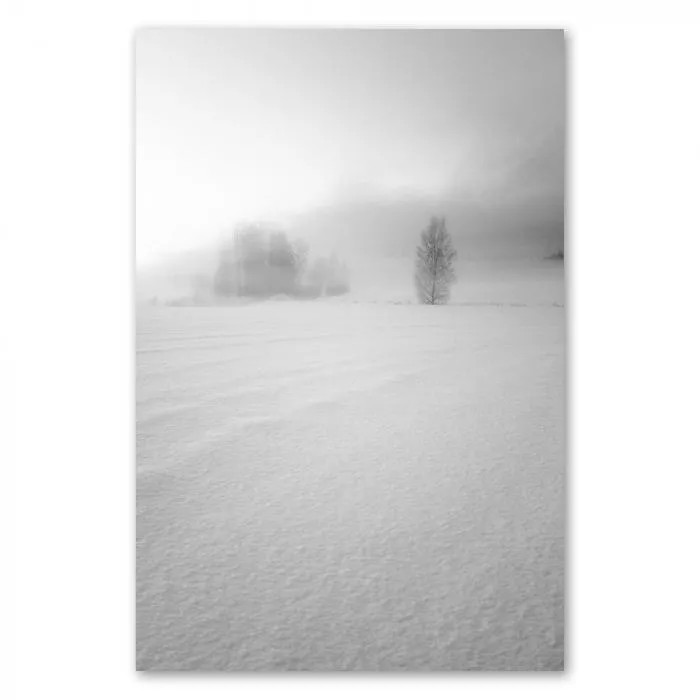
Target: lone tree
<point>300,251</point>
<point>434,263</point>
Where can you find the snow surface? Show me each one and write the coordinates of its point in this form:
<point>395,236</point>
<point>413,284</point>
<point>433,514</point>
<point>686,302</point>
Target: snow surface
<point>350,487</point>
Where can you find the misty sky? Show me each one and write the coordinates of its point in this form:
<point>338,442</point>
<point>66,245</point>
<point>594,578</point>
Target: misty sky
<point>355,136</point>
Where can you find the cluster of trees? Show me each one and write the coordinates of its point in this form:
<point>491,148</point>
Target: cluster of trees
<point>260,261</point>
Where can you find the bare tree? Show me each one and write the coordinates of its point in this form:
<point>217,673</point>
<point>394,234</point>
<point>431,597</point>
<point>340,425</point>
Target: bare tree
<point>281,264</point>
<point>300,250</point>
<point>435,257</point>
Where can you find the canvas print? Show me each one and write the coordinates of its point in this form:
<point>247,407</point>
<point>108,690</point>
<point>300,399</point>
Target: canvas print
<point>350,340</point>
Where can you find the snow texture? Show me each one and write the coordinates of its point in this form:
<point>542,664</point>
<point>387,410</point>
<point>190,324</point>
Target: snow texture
<point>350,487</point>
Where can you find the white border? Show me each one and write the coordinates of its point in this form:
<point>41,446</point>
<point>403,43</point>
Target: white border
<point>633,260</point>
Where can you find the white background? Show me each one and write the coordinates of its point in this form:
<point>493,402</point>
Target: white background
<point>66,348</point>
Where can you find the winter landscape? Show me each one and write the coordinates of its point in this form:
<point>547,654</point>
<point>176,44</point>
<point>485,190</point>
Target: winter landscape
<point>350,404</point>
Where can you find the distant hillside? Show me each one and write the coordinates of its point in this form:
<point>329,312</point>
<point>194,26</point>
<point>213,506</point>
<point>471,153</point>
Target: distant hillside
<point>481,230</point>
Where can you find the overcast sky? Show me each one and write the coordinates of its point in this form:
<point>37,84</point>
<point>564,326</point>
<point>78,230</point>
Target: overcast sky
<point>318,128</point>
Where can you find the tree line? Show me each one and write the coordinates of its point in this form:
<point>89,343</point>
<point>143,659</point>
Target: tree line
<point>260,261</point>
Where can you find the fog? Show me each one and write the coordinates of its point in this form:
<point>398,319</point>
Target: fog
<point>350,350</point>
<point>350,140</point>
